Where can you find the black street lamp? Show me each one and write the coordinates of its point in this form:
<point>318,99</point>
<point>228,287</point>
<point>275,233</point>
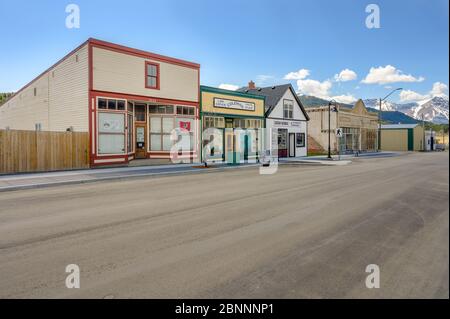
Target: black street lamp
<point>379,116</point>
<point>329,124</point>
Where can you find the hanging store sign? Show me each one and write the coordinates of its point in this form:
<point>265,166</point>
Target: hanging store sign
<point>233,104</point>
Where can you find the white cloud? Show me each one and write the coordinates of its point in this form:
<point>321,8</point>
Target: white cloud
<point>299,75</point>
<point>345,75</point>
<point>315,88</point>
<point>439,89</point>
<point>345,98</point>
<point>226,86</point>
<point>410,96</point>
<point>388,74</point>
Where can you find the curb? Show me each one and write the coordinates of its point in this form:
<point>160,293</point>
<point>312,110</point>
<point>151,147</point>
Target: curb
<point>159,174</point>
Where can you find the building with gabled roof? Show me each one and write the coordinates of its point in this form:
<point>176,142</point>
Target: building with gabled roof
<point>286,120</point>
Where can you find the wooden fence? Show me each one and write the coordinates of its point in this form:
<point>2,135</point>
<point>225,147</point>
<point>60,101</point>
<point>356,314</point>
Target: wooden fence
<point>34,151</point>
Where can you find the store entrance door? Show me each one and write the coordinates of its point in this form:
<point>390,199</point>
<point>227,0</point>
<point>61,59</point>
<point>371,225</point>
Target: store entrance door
<point>282,142</point>
<point>291,144</point>
<point>141,144</point>
<point>229,146</point>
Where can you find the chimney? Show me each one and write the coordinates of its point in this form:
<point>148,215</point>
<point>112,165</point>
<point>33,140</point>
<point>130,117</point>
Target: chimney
<point>251,85</point>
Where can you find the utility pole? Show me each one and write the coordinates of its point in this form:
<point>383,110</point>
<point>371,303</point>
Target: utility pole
<point>379,117</point>
<point>379,128</point>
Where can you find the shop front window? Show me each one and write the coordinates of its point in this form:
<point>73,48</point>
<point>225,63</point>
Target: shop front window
<point>139,112</point>
<point>300,139</point>
<point>186,127</point>
<point>111,133</point>
<point>160,131</point>
<point>130,133</point>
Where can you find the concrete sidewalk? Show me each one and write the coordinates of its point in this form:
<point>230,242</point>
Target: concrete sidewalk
<point>34,180</point>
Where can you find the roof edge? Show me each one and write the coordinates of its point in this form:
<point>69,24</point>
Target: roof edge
<point>230,92</point>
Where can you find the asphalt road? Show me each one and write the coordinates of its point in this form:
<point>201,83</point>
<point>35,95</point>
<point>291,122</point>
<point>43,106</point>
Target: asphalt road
<point>304,232</point>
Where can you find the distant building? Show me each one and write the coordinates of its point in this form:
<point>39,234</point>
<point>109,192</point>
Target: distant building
<point>430,140</point>
<point>402,137</point>
<point>359,127</point>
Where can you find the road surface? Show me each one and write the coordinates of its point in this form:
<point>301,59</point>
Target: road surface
<point>304,232</point>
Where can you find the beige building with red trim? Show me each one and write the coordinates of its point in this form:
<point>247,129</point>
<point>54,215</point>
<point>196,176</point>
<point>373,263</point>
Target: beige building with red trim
<point>130,101</point>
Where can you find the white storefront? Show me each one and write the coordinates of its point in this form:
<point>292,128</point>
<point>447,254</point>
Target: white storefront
<point>286,122</point>
<point>286,138</point>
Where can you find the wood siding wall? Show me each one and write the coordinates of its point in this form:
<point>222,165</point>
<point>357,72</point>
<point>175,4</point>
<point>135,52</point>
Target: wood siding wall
<point>33,151</point>
<point>124,73</point>
<point>57,100</point>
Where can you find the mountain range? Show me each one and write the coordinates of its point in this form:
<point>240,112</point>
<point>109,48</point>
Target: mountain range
<point>435,110</point>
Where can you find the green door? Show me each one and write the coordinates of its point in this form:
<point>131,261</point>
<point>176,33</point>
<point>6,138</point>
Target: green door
<point>410,139</point>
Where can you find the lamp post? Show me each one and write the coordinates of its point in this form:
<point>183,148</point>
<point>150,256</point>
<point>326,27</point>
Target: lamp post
<point>379,116</point>
<point>329,124</point>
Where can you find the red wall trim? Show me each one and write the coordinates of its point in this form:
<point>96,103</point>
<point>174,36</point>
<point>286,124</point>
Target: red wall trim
<point>158,74</point>
<point>143,98</point>
<point>140,53</point>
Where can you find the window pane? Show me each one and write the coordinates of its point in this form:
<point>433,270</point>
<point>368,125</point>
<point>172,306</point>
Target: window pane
<point>153,109</point>
<point>111,104</point>
<point>167,124</point>
<point>130,107</point>
<point>130,133</point>
<point>221,122</point>
<point>155,124</point>
<point>111,123</point>
<point>191,111</point>
<point>185,110</point>
<point>161,109</point>
<point>139,112</point>
<point>155,142</point>
<point>167,143</point>
<point>101,103</point>
<point>152,70</point>
<point>121,105</point>
<point>179,110</point>
<point>169,109</point>
<point>151,81</point>
<point>111,144</point>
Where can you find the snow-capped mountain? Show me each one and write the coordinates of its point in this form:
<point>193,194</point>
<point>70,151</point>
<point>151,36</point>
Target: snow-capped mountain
<point>385,105</point>
<point>435,110</point>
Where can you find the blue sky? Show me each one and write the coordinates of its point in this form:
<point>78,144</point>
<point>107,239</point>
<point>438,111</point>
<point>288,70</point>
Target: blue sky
<point>237,41</point>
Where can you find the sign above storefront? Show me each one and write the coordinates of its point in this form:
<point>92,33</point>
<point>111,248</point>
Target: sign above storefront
<point>233,104</point>
<point>287,123</point>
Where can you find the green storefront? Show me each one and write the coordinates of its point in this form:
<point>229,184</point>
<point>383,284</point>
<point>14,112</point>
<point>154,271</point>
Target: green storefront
<point>231,126</point>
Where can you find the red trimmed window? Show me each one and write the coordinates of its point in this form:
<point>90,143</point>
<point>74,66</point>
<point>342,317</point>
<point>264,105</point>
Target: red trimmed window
<point>152,75</point>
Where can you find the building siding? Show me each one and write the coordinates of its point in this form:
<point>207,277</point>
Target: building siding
<point>61,99</point>
<point>394,140</point>
<point>124,73</point>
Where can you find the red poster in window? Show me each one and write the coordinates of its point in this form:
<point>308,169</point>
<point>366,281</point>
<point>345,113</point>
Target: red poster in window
<point>185,125</point>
